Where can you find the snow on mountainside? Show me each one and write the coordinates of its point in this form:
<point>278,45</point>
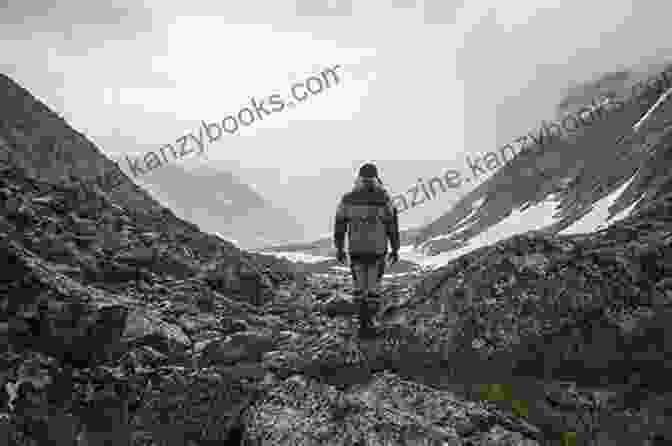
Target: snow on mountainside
<point>584,181</point>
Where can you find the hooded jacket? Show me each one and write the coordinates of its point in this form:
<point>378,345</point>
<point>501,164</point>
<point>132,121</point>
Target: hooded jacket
<point>369,218</point>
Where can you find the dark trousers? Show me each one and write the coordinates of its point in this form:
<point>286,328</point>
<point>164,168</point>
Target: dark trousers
<point>367,271</point>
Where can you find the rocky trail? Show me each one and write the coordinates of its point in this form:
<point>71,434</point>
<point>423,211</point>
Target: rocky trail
<point>180,371</point>
<point>121,324</point>
<point>124,327</point>
<point>186,372</point>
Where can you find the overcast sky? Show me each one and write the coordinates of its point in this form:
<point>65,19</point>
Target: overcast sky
<point>428,79</point>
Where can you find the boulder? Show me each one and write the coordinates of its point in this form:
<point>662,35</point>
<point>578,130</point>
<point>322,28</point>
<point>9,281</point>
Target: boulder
<point>242,346</point>
<point>201,321</point>
<point>145,329</point>
<point>340,305</point>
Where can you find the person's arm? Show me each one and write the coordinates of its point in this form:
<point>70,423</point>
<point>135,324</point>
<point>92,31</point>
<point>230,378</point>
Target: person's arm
<point>340,227</point>
<point>392,227</point>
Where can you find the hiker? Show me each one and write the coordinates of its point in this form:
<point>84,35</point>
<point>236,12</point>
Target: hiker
<point>368,216</point>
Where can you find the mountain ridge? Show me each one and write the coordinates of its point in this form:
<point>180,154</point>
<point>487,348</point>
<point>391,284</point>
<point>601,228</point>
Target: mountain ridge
<point>572,179</point>
<point>223,205</point>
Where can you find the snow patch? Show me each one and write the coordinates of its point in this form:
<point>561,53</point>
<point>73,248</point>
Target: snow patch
<point>625,212</point>
<point>653,108</point>
<point>412,254</point>
<point>393,275</point>
<point>532,218</point>
<point>298,256</point>
<point>457,231</point>
<point>478,203</point>
<point>340,268</point>
<point>597,218</point>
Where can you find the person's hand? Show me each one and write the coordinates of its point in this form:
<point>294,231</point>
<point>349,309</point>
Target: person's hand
<point>340,257</point>
<point>393,257</point>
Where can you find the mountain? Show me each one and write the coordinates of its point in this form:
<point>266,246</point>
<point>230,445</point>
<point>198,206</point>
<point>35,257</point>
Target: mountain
<point>573,182</point>
<point>220,203</point>
<point>81,204</point>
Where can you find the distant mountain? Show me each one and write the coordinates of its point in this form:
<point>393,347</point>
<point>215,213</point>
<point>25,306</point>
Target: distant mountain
<point>610,84</point>
<point>220,203</point>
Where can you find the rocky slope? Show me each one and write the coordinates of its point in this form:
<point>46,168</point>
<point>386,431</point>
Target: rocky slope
<point>123,324</point>
<point>574,170</point>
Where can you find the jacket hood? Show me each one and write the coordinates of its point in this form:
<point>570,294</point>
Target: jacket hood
<point>364,183</point>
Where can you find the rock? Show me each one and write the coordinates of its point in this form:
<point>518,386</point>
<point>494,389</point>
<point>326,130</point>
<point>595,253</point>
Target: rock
<point>321,294</point>
<point>661,297</point>
<point>106,422</point>
<point>665,284</point>
<point>82,336</point>
<point>244,370</point>
<point>232,325</point>
<point>340,305</point>
<point>245,346</point>
<point>17,325</point>
<point>56,248</point>
<point>12,206</point>
<point>138,256</point>
<point>386,410</point>
<point>72,271</point>
<point>113,272</point>
<point>198,322</point>
<point>62,429</point>
<point>145,329</point>
<point>84,227</point>
<point>205,302</point>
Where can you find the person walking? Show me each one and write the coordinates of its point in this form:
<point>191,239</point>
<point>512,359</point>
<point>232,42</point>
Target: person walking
<point>370,219</point>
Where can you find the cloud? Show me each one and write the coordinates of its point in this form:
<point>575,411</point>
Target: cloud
<point>76,19</point>
<point>324,8</point>
<point>404,4</point>
<point>441,12</point>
